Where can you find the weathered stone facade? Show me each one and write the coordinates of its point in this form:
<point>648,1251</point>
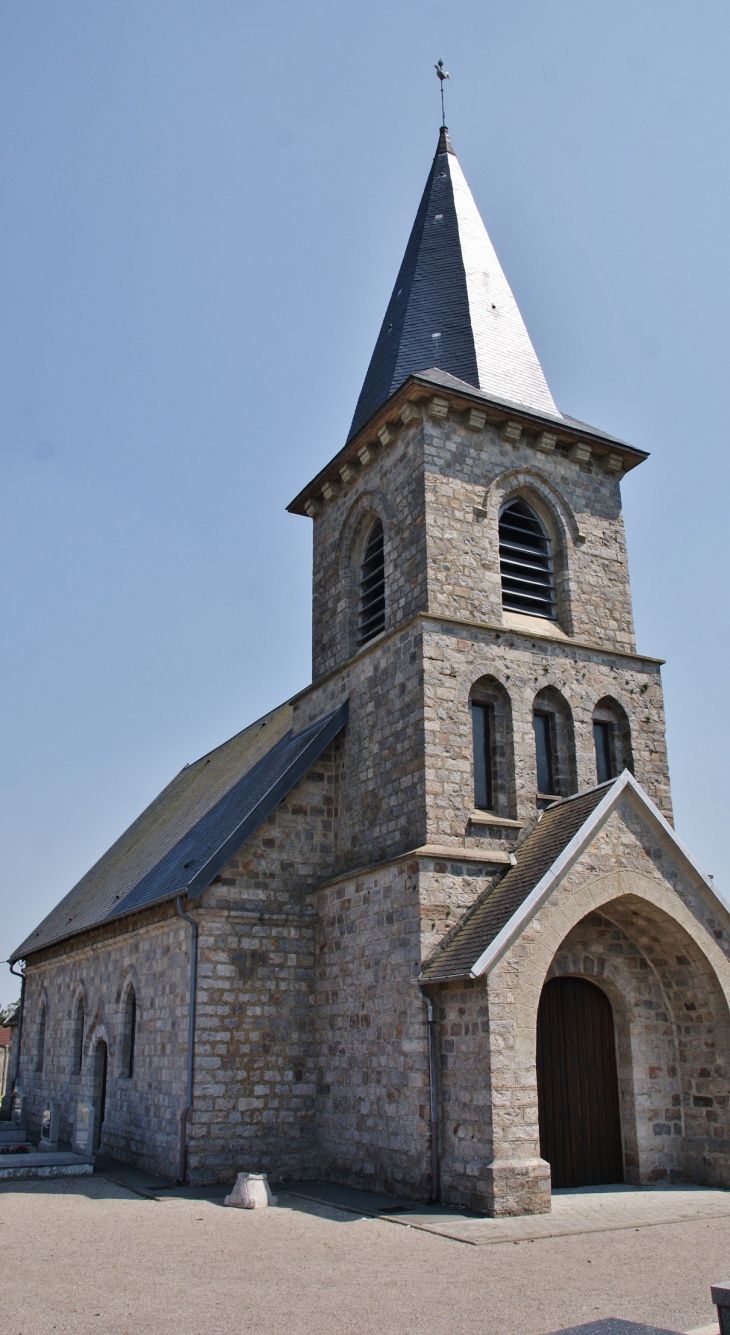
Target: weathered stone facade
<point>143,1112</point>
<point>311,1049</point>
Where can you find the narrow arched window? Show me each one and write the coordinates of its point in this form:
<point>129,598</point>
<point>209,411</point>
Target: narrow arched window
<point>525,562</point>
<point>492,747</point>
<point>129,1032</point>
<point>41,1048</point>
<point>78,1036</point>
<point>555,762</point>
<point>611,739</point>
<point>482,727</point>
<point>372,586</point>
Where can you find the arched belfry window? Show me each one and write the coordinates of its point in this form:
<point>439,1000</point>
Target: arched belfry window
<point>372,586</point>
<point>525,562</point>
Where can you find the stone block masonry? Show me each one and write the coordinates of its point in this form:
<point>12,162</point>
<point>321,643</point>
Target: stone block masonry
<point>370,1033</point>
<point>150,951</point>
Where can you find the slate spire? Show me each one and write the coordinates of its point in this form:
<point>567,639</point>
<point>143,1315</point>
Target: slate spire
<point>452,306</point>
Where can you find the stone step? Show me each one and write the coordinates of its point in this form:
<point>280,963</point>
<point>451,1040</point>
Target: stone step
<point>43,1163</point>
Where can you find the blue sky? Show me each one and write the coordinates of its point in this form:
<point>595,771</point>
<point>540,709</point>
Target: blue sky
<point>204,207</point>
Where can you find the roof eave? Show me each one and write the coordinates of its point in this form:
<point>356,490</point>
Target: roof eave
<point>197,884</point>
<point>497,412</point>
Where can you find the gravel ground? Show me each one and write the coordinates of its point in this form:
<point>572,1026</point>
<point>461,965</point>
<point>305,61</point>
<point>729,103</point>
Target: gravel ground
<point>89,1256</point>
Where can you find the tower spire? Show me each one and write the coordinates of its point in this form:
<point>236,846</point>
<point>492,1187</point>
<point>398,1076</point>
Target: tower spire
<point>452,307</point>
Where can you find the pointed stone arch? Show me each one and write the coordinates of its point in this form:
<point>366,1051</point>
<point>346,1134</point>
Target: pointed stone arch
<point>550,501</point>
<point>674,1004</point>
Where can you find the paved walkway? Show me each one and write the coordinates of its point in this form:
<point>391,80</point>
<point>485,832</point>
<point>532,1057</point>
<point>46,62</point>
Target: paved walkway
<point>578,1211</point>
<point>86,1256</point>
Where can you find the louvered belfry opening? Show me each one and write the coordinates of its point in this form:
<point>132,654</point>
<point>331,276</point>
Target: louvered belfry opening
<point>525,562</point>
<point>372,586</point>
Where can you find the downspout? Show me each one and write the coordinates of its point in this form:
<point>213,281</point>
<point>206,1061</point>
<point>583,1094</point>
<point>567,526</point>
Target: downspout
<point>183,1165</point>
<point>21,976</point>
<point>434,1095</point>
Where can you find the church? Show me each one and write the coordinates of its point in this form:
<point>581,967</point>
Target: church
<point>425,928</point>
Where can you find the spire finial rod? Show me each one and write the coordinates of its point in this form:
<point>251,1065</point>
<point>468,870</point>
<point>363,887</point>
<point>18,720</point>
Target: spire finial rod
<point>442,75</point>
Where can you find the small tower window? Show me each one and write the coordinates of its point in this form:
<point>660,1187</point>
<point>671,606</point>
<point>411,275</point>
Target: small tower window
<point>482,725</point>
<point>605,769</point>
<point>492,748</point>
<point>372,586</point>
<point>544,752</point>
<point>555,761</point>
<point>611,739</point>
<point>525,562</point>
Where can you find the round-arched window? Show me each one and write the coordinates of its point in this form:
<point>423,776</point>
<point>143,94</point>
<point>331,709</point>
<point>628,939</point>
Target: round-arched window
<point>525,562</point>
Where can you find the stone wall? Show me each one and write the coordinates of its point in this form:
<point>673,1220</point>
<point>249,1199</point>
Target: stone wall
<point>253,1107</point>
<point>371,1034</point>
<point>391,488</point>
<point>142,1112</point>
<point>438,487</point>
<point>456,657</point>
<point>469,475</point>
<point>381,802</point>
<point>254,1064</point>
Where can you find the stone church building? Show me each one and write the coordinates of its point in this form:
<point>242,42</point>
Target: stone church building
<point>426,927</point>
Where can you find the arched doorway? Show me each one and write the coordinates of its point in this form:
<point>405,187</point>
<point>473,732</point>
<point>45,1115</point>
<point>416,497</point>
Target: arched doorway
<point>99,1094</point>
<point>577,1084</point>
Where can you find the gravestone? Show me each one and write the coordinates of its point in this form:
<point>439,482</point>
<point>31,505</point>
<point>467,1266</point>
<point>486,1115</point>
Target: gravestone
<point>17,1113</point>
<point>50,1126</point>
<point>83,1137</point>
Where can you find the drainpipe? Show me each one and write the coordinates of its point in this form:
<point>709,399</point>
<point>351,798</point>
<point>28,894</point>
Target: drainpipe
<point>21,976</point>
<point>434,1095</point>
<point>183,1166</point>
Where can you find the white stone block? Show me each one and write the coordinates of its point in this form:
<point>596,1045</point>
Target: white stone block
<point>251,1192</point>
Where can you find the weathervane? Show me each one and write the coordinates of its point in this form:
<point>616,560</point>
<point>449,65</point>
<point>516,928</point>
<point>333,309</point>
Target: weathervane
<point>442,74</point>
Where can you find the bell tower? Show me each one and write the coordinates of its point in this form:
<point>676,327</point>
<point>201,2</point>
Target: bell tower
<point>471,601</point>
<point>471,520</point>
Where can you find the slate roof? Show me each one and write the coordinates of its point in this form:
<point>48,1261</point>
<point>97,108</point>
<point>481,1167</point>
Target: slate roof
<point>188,834</point>
<point>535,854</point>
<point>451,306</point>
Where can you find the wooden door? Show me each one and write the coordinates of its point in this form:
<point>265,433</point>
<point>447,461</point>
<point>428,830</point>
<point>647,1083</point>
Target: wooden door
<point>577,1085</point>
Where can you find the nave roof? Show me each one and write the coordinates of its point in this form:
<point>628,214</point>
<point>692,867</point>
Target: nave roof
<point>191,830</point>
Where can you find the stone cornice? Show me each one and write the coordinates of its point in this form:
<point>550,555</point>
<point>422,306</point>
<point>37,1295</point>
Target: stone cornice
<point>421,396</point>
